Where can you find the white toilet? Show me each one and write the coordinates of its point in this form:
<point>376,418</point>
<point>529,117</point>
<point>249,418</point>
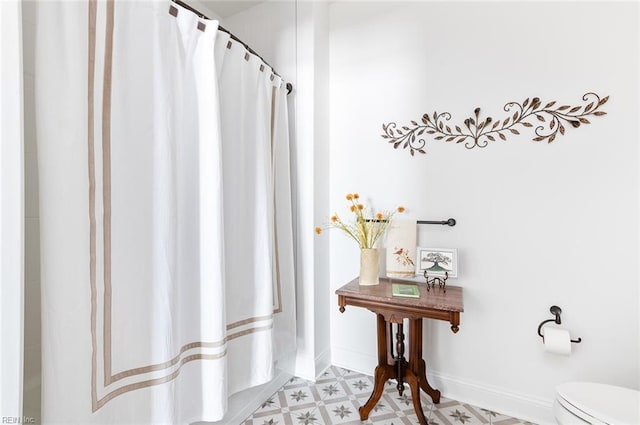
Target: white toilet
<point>596,404</point>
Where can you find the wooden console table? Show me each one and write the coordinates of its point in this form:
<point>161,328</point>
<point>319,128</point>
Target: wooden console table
<point>432,304</point>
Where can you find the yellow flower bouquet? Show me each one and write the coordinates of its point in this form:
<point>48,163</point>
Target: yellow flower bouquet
<point>364,230</point>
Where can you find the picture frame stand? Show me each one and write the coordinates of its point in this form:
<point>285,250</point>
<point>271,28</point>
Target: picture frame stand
<point>440,280</point>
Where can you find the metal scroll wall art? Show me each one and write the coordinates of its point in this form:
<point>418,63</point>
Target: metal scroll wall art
<point>548,120</point>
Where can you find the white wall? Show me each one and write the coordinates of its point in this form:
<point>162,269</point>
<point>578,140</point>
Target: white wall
<point>322,170</point>
<point>538,224</point>
<point>270,29</point>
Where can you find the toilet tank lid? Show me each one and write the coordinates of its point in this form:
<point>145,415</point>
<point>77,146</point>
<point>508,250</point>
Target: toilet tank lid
<point>607,403</point>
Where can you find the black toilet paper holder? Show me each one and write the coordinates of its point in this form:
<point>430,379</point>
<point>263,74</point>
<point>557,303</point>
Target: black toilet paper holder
<point>556,311</point>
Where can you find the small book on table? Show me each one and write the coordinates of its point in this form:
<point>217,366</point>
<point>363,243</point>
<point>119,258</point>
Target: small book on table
<point>405,290</point>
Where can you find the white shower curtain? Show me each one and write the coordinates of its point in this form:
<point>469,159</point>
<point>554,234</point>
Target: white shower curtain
<point>257,211</point>
<point>158,297</point>
<point>11,211</point>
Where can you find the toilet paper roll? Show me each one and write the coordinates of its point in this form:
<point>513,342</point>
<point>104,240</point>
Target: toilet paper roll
<point>557,340</point>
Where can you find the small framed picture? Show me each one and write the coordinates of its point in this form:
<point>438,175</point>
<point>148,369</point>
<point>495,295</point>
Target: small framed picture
<point>437,261</point>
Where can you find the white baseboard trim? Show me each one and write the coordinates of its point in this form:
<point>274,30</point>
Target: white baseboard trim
<point>500,400</point>
<point>314,369</point>
<point>323,362</point>
<point>354,360</point>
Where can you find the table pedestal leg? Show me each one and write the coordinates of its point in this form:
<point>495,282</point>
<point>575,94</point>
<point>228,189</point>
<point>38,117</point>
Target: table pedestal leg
<point>414,384</point>
<point>399,359</point>
<point>417,363</point>
<point>383,372</point>
<point>382,375</point>
<point>413,372</point>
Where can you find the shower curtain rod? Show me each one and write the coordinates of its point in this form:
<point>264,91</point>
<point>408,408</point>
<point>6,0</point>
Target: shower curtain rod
<point>233,37</point>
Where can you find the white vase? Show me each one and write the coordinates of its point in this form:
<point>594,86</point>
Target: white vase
<point>369,266</point>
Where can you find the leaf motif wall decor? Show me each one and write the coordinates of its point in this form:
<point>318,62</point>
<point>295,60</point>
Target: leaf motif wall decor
<point>546,121</point>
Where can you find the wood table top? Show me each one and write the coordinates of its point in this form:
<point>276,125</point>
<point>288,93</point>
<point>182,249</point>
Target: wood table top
<point>433,299</point>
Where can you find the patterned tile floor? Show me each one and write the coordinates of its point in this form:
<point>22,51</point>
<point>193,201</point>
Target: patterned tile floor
<point>337,395</point>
